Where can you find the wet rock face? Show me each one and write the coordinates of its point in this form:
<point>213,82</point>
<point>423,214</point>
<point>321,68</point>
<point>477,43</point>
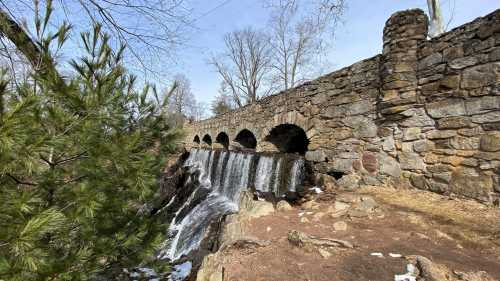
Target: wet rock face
<point>415,115</point>
<point>171,182</point>
<point>176,190</point>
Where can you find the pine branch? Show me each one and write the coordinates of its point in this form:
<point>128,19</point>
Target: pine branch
<point>63,161</point>
<point>20,181</point>
<point>72,158</point>
<point>46,161</point>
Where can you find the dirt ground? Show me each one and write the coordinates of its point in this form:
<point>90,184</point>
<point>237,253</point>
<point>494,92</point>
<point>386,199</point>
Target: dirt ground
<point>462,235</point>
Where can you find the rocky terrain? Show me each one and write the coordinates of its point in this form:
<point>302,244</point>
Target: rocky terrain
<point>375,233</point>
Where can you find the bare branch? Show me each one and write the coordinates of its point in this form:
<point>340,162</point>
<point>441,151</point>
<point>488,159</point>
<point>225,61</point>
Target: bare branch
<point>152,30</point>
<point>245,64</point>
<point>297,36</point>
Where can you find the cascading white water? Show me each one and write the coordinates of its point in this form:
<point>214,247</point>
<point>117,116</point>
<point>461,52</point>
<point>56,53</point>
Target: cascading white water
<point>277,175</point>
<point>297,174</point>
<point>264,173</point>
<point>222,175</point>
<point>210,164</point>
<point>246,167</point>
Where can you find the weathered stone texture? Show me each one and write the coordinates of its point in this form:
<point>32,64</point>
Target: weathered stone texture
<point>424,112</point>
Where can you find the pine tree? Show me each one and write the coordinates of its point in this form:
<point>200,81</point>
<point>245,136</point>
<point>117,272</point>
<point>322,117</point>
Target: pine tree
<point>79,158</point>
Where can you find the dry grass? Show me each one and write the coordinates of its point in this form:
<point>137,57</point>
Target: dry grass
<point>461,218</point>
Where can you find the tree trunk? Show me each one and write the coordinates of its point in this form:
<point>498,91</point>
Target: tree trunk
<point>16,34</point>
<point>436,19</point>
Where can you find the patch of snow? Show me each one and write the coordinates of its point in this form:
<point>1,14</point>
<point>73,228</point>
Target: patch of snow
<point>408,276</point>
<point>380,255</point>
<point>395,255</point>
<point>316,189</point>
<point>301,214</point>
<point>181,271</point>
<point>404,277</point>
<point>142,273</point>
<point>148,272</point>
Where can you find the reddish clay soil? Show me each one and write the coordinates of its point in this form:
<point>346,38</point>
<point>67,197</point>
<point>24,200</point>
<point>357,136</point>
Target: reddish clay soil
<point>460,234</point>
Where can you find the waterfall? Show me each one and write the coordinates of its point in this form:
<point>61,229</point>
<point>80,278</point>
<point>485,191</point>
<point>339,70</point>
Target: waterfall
<point>277,177</point>
<point>264,174</point>
<point>219,177</point>
<point>297,175</point>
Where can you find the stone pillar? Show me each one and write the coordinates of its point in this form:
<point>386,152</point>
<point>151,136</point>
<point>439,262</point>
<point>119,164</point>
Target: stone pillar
<point>398,68</point>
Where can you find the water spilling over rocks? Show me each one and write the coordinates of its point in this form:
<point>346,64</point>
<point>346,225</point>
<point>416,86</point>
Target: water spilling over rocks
<point>214,181</point>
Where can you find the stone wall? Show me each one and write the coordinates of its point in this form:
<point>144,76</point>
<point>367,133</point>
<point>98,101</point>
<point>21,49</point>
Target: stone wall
<point>424,113</point>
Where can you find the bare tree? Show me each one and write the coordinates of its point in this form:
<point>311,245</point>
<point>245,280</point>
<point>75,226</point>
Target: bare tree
<point>198,111</point>
<point>181,98</point>
<point>182,102</point>
<point>296,31</point>
<point>436,19</point>
<point>244,64</point>
<point>150,29</point>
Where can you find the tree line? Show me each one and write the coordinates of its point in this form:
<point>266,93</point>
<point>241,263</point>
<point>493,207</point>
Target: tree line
<point>258,62</point>
<point>287,52</point>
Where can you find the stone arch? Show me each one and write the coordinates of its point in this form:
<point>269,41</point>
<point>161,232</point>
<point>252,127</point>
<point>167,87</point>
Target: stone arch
<point>207,139</point>
<point>288,138</point>
<point>246,139</point>
<point>292,118</point>
<point>223,139</point>
<point>196,139</point>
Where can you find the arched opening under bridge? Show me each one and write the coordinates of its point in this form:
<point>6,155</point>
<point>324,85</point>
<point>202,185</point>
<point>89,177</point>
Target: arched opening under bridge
<point>207,139</point>
<point>289,138</point>
<point>223,139</point>
<point>246,139</point>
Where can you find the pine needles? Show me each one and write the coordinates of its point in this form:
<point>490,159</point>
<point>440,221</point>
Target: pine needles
<point>79,156</point>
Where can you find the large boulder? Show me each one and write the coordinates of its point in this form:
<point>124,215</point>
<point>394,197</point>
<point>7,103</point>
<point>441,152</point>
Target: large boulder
<point>211,268</point>
<point>253,208</point>
<point>283,206</point>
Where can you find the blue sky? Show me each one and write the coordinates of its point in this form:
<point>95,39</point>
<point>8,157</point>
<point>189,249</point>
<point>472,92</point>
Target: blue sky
<point>358,37</point>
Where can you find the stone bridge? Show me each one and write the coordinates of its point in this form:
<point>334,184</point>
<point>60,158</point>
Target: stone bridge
<point>424,113</point>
